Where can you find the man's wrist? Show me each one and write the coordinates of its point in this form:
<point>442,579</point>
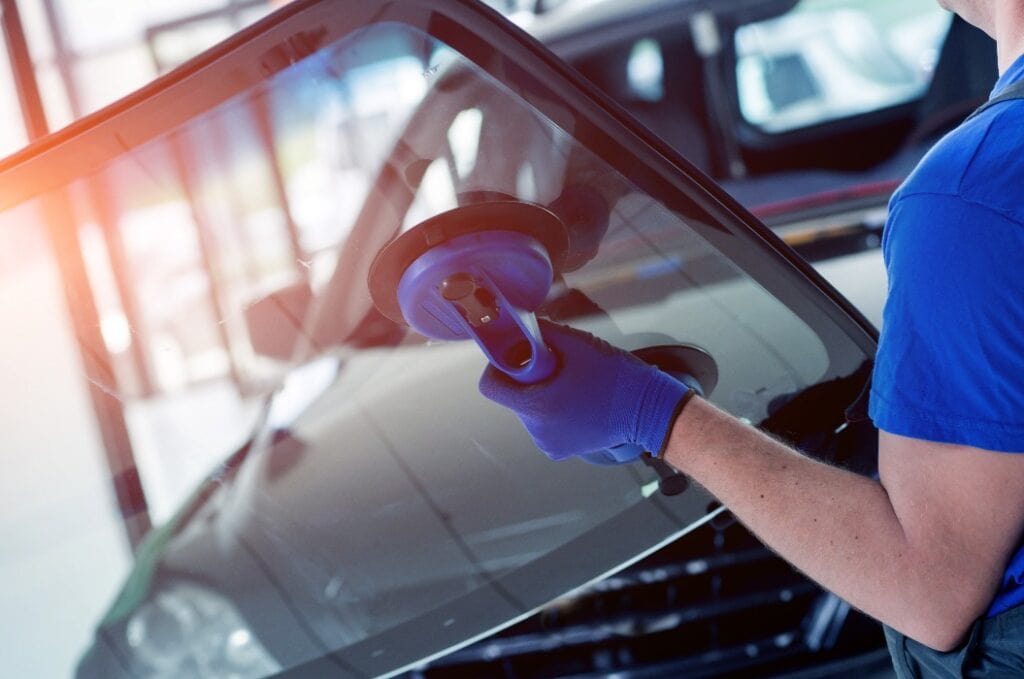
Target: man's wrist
<point>676,412</point>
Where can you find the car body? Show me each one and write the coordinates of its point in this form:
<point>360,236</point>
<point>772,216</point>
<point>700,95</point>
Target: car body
<point>383,514</point>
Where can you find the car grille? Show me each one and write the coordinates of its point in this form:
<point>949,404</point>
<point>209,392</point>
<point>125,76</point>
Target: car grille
<point>713,603</point>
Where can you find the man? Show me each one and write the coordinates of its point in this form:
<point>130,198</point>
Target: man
<point>933,548</point>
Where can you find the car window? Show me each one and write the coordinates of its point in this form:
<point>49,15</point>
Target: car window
<point>830,59</point>
<point>382,511</point>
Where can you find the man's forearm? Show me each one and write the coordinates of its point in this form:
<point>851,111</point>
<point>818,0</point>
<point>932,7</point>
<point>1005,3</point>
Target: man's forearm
<point>926,557</point>
<point>838,527</point>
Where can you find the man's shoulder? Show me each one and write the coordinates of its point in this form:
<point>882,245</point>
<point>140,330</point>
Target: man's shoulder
<point>948,362</point>
<point>981,162</point>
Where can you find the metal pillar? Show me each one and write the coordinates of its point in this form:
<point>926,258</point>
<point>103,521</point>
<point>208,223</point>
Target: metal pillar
<point>64,239</point>
<point>24,74</point>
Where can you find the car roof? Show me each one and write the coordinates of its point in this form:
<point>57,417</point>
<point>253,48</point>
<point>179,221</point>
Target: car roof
<point>576,20</point>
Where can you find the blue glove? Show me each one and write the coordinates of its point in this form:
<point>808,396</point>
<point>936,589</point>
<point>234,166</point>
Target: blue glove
<point>599,398</point>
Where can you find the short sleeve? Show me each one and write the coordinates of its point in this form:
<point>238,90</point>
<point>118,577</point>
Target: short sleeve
<point>950,362</point>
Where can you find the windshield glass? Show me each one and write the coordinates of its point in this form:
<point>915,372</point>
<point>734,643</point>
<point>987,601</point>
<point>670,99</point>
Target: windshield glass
<point>377,510</point>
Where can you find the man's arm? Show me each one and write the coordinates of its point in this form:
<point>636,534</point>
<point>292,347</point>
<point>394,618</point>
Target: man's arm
<point>923,550</point>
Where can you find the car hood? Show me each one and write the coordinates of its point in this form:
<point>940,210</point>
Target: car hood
<point>401,494</point>
<point>583,17</point>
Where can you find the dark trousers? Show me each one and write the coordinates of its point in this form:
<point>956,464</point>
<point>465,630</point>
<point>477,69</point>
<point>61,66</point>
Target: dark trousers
<point>994,647</point>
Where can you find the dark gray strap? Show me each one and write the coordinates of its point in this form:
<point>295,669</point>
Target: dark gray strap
<point>1014,91</point>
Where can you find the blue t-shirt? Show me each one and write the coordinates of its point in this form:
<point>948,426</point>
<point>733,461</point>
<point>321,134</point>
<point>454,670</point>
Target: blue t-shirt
<point>950,363</point>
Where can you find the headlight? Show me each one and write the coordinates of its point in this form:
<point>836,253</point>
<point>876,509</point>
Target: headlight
<point>188,631</point>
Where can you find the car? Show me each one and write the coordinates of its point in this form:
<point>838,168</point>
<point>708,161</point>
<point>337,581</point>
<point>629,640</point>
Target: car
<point>798,108</point>
<point>383,515</point>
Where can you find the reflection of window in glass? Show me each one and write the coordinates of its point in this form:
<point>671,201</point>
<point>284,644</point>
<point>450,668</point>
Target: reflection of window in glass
<point>332,134</point>
<point>526,182</point>
<point>117,333</point>
<point>379,97</point>
<point>166,265</point>
<point>828,59</point>
<point>645,70</point>
<point>464,140</point>
<point>436,194</point>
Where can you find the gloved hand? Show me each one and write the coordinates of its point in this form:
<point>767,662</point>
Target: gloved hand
<point>600,397</point>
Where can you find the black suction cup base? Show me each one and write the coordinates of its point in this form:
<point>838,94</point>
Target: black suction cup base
<point>690,364</point>
<point>682,360</point>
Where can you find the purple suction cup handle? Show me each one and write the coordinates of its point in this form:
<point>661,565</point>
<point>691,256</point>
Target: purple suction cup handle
<point>484,286</point>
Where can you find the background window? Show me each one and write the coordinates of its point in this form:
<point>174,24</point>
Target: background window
<point>829,59</point>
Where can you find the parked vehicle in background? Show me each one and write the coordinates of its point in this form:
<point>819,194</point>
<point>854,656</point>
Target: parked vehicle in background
<point>801,108</point>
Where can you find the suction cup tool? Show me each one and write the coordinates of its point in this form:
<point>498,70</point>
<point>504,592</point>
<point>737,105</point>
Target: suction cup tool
<point>476,272</point>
